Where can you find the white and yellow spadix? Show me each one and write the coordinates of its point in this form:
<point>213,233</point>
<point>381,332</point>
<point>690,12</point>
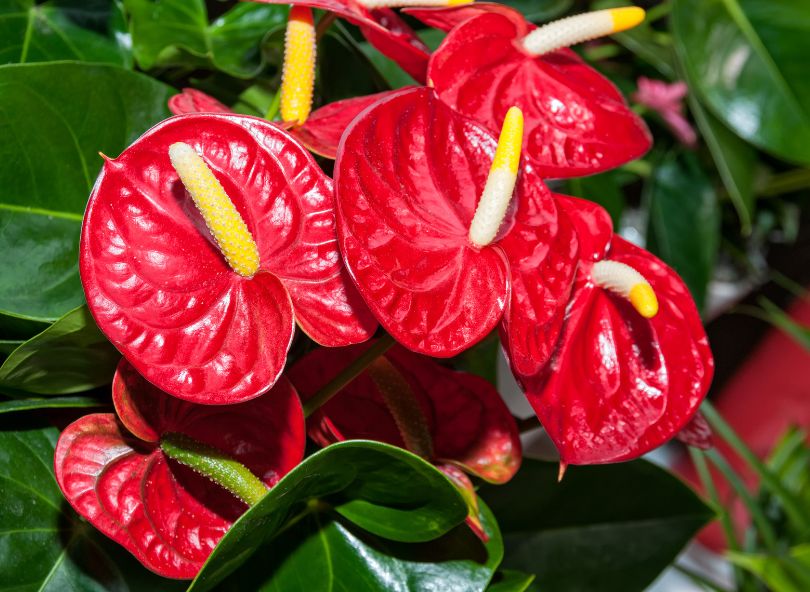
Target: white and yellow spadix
<point>625,281</point>
<point>501,181</point>
<point>220,214</point>
<point>372,4</point>
<point>580,28</point>
<point>298,71</point>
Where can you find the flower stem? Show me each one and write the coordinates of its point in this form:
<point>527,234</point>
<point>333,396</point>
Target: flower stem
<point>323,24</point>
<point>215,465</point>
<point>348,374</point>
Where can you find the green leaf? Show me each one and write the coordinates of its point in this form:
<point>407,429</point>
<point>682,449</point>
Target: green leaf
<point>82,30</point>
<point>383,489</point>
<point>177,33</point>
<point>781,574</point>
<point>46,547</point>
<point>510,580</point>
<point>344,71</point>
<point>540,10</point>
<point>9,345</point>
<point>49,403</point>
<point>779,319</point>
<point>70,356</point>
<point>54,119</point>
<point>481,359</point>
<point>607,528</point>
<point>684,220</point>
<point>603,189</point>
<point>746,59</point>
<point>322,551</point>
<point>736,161</point>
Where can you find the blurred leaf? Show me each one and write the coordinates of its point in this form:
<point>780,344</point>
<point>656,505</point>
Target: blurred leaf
<point>46,547</point>
<point>684,220</point>
<point>540,10</point>
<point>780,574</point>
<point>177,33</point>
<point>481,359</point>
<point>49,403</point>
<point>510,580</point>
<point>607,528</point>
<point>736,161</point>
<point>747,60</point>
<point>779,319</point>
<point>70,356</point>
<point>54,119</point>
<point>9,345</point>
<point>82,30</point>
<point>603,189</point>
<point>643,41</point>
<point>381,488</point>
<point>359,562</point>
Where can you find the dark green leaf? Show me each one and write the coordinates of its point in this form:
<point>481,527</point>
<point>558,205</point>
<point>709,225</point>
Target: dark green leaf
<point>82,30</point>
<point>540,10</point>
<point>177,33</point>
<point>9,345</point>
<point>684,220</point>
<point>344,71</point>
<point>70,356</point>
<point>54,119</point>
<point>380,488</point>
<point>603,189</point>
<point>46,548</point>
<point>49,403</point>
<point>510,580</point>
<point>747,60</point>
<point>360,562</point>
<point>481,359</point>
<point>606,528</point>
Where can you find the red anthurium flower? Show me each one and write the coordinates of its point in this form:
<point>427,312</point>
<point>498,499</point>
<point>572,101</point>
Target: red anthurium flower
<point>577,122</point>
<point>203,244</point>
<point>320,133</point>
<point>115,474</point>
<point>456,420</point>
<point>383,28</point>
<point>436,241</point>
<point>633,362</point>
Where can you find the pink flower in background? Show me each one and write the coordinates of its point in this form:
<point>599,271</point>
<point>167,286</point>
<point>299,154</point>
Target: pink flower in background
<point>667,100</point>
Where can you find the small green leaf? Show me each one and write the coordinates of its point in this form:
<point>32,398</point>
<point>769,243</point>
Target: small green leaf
<point>746,58</point>
<point>177,33</point>
<point>510,580</point>
<point>790,573</point>
<point>684,220</point>
<point>607,528</point>
<point>324,552</point>
<point>70,356</point>
<point>81,30</point>
<point>54,119</point>
<point>383,489</point>
<point>49,403</point>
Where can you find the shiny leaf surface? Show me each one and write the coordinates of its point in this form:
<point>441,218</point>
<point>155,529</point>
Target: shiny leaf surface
<point>50,403</point>
<point>47,168</point>
<point>643,518</point>
<point>382,489</point>
<point>745,59</point>
<point>70,356</point>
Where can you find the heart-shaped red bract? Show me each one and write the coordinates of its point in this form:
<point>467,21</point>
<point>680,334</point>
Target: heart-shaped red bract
<point>576,121</point>
<point>383,28</point>
<point>409,174</point>
<point>114,474</point>
<point>468,422</point>
<point>619,385</point>
<point>162,292</point>
<point>319,134</point>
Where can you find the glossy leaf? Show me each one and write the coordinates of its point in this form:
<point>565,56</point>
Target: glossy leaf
<point>163,30</point>
<point>61,30</point>
<point>643,518</point>
<point>49,403</point>
<point>382,489</point>
<point>359,562</point>
<point>510,580</point>
<point>46,547</point>
<point>745,60</point>
<point>685,220</point>
<point>149,278</point>
<point>56,118</point>
<point>70,356</point>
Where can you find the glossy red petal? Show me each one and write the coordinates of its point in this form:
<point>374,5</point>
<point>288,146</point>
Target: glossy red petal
<point>469,423</point>
<point>593,226</point>
<point>576,122</point>
<point>323,129</point>
<point>446,18</point>
<point>408,176</point>
<point>162,292</point>
<point>196,101</point>
<point>620,385</point>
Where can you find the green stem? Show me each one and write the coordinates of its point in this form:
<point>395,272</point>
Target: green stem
<point>763,526</point>
<point>786,182</point>
<point>348,374</point>
<point>215,465</point>
<point>272,111</point>
<point>702,468</point>
<point>699,579</point>
<point>792,506</point>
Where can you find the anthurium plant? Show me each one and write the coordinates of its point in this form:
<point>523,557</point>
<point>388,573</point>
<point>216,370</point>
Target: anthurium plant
<point>260,261</point>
